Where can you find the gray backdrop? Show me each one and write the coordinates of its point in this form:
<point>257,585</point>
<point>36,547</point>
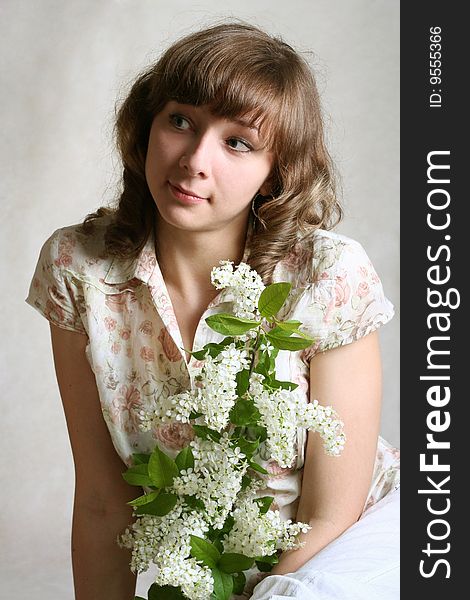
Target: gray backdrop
<point>64,65</point>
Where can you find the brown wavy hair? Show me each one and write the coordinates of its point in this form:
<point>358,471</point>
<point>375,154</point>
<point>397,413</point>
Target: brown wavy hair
<point>239,71</point>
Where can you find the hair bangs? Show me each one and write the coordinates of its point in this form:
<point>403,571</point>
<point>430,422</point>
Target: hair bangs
<point>234,83</point>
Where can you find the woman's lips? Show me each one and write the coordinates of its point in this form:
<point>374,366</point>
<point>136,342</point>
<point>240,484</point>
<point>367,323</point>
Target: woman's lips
<point>185,197</point>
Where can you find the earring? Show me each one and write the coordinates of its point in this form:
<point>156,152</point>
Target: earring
<point>260,199</point>
<point>253,206</point>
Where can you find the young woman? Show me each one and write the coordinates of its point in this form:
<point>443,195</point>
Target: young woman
<point>223,159</point>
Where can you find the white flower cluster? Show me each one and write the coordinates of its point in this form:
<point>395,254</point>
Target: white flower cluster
<point>165,541</point>
<point>216,478</point>
<point>214,397</point>
<point>260,535</point>
<point>245,284</point>
<point>283,411</point>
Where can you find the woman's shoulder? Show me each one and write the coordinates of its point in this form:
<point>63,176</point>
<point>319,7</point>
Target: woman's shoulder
<point>322,255</point>
<point>82,255</point>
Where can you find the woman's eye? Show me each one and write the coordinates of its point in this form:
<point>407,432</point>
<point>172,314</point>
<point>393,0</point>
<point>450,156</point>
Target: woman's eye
<point>239,145</point>
<point>179,122</point>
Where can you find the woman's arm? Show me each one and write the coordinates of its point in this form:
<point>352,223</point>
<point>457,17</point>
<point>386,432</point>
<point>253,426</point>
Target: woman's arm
<point>334,489</point>
<point>100,567</point>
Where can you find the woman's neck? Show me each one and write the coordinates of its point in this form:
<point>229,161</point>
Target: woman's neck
<point>186,258</point>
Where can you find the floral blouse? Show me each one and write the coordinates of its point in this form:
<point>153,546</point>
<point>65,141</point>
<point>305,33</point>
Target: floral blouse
<point>135,347</point>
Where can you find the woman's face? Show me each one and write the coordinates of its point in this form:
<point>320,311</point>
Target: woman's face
<point>203,170</point>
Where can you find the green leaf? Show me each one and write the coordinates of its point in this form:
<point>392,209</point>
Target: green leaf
<point>223,584</point>
<point>233,563</point>
<point>246,479</point>
<point>269,559</point>
<point>229,325</point>
<point>205,551</point>
<point>165,592</point>
<point>256,467</point>
<point>162,469</point>
<point>228,525</point>
<point>195,415</point>
<point>264,361</point>
<point>289,325</point>
<point>289,343</point>
<point>261,368</point>
<point>138,475</point>
<point>263,567</point>
<point>272,298</point>
<point>244,412</point>
<point>212,348</point>
<point>185,459</point>
<point>194,502</point>
<point>279,332</point>
<point>239,581</point>
<point>257,432</point>
<point>206,433</point>
<point>284,385</point>
<point>243,382</point>
<point>199,354</point>
<point>140,459</point>
<point>145,499</point>
<point>247,447</point>
<point>264,503</point>
<point>159,507</point>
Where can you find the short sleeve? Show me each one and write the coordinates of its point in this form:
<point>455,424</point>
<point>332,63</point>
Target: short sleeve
<point>54,292</point>
<point>345,303</point>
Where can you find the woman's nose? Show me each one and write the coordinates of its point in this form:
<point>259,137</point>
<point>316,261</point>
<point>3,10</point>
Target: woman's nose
<point>196,157</point>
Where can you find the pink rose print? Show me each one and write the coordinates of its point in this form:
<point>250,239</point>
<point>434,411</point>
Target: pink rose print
<point>329,311</point>
<point>146,328</point>
<point>116,348</point>
<point>363,272</point>
<point>375,278</point>
<point>301,381</point>
<point>362,289</point>
<point>174,435</point>
<point>169,347</point>
<point>126,406</point>
<point>125,334</point>
<point>297,257</point>
<point>65,249</point>
<point>147,262</point>
<point>307,354</point>
<point>64,260</point>
<point>118,302</point>
<point>147,354</point>
<point>54,312</point>
<point>197,364</point>
<point>110,323</point>
<point>342,290</point>
<point>276,471</point>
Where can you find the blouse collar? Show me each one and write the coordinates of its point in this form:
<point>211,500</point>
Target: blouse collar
<point>142,267</point>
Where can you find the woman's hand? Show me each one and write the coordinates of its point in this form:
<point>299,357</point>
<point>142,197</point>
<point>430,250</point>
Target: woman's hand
<point>100,514</point>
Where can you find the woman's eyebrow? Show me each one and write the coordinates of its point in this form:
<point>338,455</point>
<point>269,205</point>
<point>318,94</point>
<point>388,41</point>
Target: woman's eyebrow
<point>245,123</point>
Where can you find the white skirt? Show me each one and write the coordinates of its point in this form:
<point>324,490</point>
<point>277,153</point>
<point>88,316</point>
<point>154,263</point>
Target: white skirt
<point>361,564</point>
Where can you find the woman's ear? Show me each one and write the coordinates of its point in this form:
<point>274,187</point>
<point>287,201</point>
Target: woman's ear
<point>264,190</point>
<point>267,187</point>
